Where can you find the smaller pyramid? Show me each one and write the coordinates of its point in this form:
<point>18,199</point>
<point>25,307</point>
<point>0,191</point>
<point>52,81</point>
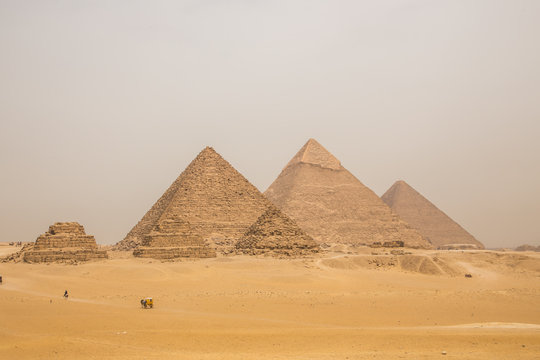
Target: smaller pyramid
<point>333,206</point>
<point>64,242</point>
<point>276,234</point>
<point>173,238</point>
<point>432,223</point>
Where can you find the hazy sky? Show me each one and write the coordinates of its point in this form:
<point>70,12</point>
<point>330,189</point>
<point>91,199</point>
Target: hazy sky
<point>104,103</point>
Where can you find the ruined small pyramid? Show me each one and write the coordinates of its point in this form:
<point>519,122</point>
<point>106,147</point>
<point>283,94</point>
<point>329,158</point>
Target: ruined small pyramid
<point>276,234</point>
<point>332,205</point>
<point>432,223</point>
<point>64,242</point>
<point>173,238</point>
<point>217,202</point>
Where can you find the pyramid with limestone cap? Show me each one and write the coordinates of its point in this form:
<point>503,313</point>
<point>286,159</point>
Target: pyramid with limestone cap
<point>332,205</point>
<point>275,233</point>
<point>421,214</point>
<point>315,154</point>
<point>215,199</point>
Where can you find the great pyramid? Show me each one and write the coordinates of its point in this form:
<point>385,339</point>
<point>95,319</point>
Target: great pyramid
<point>331,205</point>
<point>173,238</point>
<point>431,222</point>
<point>64,242</point>
<point>276,234</point>
<point>217,202</point>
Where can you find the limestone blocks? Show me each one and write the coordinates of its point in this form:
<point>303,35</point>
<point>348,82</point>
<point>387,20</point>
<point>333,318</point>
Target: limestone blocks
<point>173,238</point>
<point>64,242</point>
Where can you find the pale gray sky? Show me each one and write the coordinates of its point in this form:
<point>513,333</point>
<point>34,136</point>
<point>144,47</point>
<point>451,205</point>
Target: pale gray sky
<point>104,103</point>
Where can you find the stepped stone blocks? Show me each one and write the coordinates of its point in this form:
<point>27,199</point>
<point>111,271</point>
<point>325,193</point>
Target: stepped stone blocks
<point>275,233</point>
<point>432,223</point>
<point>171,239</point>
<point>216,201</point>
<point>333,206</point>
<point>64,242</point>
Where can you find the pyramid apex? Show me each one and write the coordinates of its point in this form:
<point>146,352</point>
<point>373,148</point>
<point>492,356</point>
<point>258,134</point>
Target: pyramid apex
<point>315,154</point>
<point>401,183</point>
<point>398,187</point>
<point>208,151</point>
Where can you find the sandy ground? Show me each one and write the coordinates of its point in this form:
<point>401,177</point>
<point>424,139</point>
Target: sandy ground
<point>338,306</point>
<point>6,249</point>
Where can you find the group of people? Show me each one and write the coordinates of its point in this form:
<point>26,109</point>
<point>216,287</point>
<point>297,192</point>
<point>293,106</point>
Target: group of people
<point>144,302</point>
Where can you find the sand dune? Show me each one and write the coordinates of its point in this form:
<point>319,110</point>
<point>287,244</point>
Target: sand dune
<point>336,305</point>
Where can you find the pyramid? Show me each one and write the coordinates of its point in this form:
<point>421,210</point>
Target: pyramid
<point>173,238</point>
<point>431,222</point>
<point>333,206</point>
<point>64,242</point>
<point>216,201</point>
<point>276,234</point>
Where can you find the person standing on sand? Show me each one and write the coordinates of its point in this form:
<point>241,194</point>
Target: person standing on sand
<point>65,294</point>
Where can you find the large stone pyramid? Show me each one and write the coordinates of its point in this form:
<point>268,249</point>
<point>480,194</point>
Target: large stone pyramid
<point>216,201</point>
<point>331,205</point>
<point>275,233</point>
<point>64,242</point>
<point>431,222</point>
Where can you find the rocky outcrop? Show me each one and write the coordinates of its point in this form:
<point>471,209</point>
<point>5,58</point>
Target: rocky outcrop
<point>333,206</point>
<point>276,234</point>
<point>64,242</point>
<point>19,255</point>
<point>432,223</point>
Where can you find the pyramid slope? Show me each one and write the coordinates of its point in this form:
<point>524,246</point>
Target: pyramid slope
<point>424,216</point>
<point>215,199</point>
<point>276,233</point>
<point>332,205</point>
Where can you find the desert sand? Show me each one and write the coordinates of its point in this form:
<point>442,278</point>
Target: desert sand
<point>343,303</point>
